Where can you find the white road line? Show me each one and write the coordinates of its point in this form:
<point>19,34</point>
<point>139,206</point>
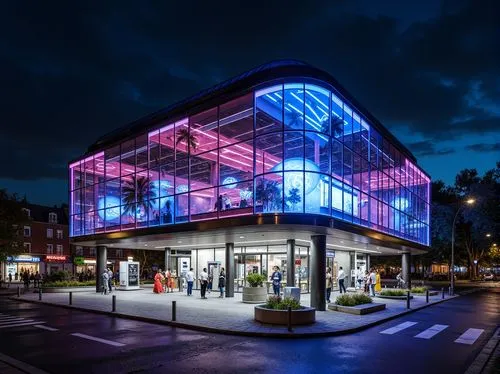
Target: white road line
<point>469,337</point>
<point>431,331</point>
<point>9,319</point>
<point>21,324</point>
<point>46,328</point>
<point>398,328</point>
<point>109,342</point>
<point>18,320</point>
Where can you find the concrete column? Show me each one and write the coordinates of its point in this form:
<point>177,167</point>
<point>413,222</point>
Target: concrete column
<point>368,266</point>
<point>230,270</point>
<point>405,268</point>
<point>290,260</point>
<point>168,259</point>
<point>318,272</point>
<point>101,264</point>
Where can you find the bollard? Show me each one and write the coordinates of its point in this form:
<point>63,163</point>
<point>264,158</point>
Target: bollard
<point>113,301</point>
<point>18,291</point>
<point>40,294</point>
<point>70,298</point>
<point>442,292</point>
<point>407,299</point>
<point>427,296</point>
<point>174,310</point>
<point>290,319</point>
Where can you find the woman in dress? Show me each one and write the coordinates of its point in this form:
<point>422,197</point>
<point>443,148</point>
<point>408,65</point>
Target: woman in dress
<point>378,284</point>
<point>158,288</point>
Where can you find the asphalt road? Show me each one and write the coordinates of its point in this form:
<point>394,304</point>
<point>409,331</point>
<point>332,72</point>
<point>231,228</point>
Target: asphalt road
<point>58,340</point>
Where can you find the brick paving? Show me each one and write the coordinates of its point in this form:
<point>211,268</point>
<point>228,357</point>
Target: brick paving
<point>228,315</point>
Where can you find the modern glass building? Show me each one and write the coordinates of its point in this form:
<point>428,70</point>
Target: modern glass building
<point>279,154</point>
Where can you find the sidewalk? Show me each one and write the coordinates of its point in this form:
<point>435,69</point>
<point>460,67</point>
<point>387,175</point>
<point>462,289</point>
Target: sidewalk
<point>227,316</point>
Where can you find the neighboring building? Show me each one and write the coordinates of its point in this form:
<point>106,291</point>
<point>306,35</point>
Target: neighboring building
<point>279,166</point>
<point>46,242</point>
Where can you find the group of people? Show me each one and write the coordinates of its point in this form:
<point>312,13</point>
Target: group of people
<point>163,282</point>
<point>369,282</point>
<point>107,281</point>
<point>27,277</point>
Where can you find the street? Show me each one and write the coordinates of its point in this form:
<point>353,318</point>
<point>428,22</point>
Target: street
<point>442,338</point>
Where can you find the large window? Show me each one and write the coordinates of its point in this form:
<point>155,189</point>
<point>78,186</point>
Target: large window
<point>294,147</point>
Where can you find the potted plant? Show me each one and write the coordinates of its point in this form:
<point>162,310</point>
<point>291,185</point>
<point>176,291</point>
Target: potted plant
<point>275,311</point>
<point>256,293</point>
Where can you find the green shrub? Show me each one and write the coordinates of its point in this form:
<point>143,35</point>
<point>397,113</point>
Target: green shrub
<point>58,276</point>
<point>277,303</point>
<point>68,284</point>
<point>353,300</point>
<point>255,280</point>
<point>419,290</point>
<point>393,293</point>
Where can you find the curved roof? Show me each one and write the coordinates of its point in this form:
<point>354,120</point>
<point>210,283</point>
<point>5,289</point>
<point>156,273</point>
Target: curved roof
<point>243,82</point>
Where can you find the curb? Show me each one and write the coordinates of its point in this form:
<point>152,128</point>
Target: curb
<point>486,353</point>
<point>285,335</point>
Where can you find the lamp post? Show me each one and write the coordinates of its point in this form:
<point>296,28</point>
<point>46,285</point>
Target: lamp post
<point>452,281</point>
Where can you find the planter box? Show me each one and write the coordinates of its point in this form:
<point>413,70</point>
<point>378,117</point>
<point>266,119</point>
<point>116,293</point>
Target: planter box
<point>254,295</point>
<point>304,316</point>
<point>358,309</point>
<point>431,293</point>
<point>394,297</point>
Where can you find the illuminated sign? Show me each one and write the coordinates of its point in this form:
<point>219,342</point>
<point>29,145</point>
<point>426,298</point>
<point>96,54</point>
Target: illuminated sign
<point>54,258</point>
<point>79,260</point>
<point>23,258</point>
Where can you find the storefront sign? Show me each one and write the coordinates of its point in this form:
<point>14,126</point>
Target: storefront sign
<point>133,274</point>
<point>79,260</point>
<point>23,258</point>
<point>54,258</point>
<point>298,262</point>
<point>330,253</point>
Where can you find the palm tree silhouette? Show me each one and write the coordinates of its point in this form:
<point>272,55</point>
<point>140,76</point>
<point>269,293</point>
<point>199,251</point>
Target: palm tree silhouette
<point>183,135</point>
<point>140,191</point>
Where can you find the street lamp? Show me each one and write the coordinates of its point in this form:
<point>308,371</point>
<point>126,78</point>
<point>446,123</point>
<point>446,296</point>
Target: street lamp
<point>469,201</point>
<point>488,235</point>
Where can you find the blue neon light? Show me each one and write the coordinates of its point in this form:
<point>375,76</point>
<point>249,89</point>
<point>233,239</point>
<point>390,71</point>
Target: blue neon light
<point>109,208</point>
<point>295,177</point>
<point>230,182</point>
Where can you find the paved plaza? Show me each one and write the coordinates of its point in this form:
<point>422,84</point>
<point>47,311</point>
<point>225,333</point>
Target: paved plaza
<point>228,315</point>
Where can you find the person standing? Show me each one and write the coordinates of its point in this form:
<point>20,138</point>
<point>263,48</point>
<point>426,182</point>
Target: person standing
<point>169,281</point>
<point>373,281</point>
<point>329,284</point>
<point>105,282</point>
<point>10,278</point>
<point>378,284</point>
<point>276,279</point>
<point>341,278</point>
<point>359,278</point>
<point>158,287</point>
<point>204,283</point>
<point>110,280</point>
<point>190,281</point>
<point>222,282</point>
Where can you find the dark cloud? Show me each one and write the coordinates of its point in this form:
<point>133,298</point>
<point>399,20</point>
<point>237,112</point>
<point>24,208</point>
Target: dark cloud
<point>428,148</point>
<point>72,71</point>
<point>482,147</point>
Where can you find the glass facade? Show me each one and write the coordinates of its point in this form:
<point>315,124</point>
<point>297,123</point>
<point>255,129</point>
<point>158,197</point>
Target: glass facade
<point>294,148</point>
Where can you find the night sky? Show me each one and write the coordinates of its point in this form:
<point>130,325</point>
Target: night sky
<point>70,72</point>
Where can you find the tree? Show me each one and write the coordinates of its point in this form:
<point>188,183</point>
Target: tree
<point>293,197</point>
<point>183,135</point>
<point>140,191</point>
<point>12,220</point>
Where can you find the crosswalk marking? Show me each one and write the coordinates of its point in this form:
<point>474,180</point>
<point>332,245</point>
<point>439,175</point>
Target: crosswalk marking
<point>398,328</point>
<point>9,319</point>
<point>22,324</point>
<point>88,337</point>
<point>46,328</point>
<point>17,320</point>
<point>469,337</point>
<point>431,331</point>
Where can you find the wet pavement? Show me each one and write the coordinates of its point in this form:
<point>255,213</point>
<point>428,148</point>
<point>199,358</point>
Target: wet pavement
<point>228,315</point>
<point>79,342</point>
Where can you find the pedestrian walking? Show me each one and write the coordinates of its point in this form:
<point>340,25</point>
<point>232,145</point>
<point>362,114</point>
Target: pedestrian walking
<point>276,279</point>
<point>10,279</point>
<point>190,281</point>
<point>169,283</point>
<point>378,283</point>
<point>158,288</point>
<point>373,281</point>
<point>110,280</point>
<point>340,279</point>
<point>329,284</point>
<point>204,283</point>
<point>222,282</point>
<point>359,278</point>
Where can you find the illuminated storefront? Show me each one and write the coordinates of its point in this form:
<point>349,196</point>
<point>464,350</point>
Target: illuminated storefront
<point>282,144</point>
<point>17,265</point>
